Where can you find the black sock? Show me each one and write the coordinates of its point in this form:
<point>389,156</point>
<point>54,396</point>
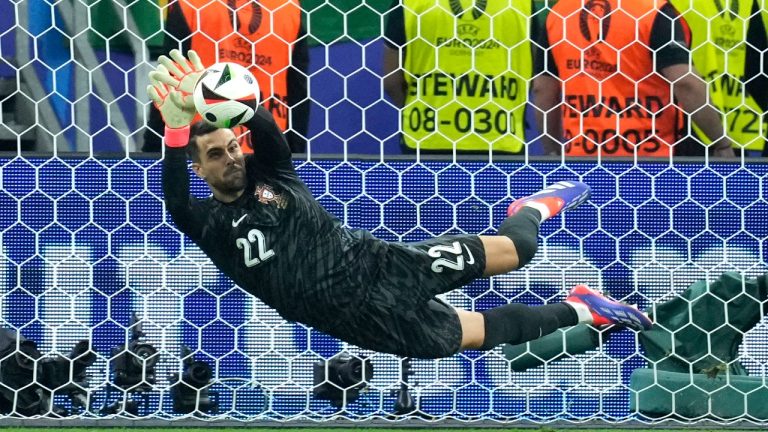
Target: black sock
<point>523,228</point>
<point>516,323</point>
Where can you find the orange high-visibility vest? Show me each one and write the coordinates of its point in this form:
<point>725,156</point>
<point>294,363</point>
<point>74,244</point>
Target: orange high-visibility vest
<point>259,35</point>
<point>615,104</point>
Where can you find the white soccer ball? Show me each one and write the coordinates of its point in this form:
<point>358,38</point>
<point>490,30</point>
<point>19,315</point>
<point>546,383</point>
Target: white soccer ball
<point>226,95</point>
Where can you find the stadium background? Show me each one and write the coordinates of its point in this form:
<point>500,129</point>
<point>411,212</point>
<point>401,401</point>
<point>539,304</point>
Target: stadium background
<point>86,242</point>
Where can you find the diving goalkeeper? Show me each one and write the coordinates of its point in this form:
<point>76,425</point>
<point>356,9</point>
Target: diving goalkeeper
<point>263,228</point>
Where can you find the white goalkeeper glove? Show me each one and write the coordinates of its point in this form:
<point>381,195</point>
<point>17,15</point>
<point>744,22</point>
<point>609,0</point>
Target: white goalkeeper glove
<point>176,112</point>
<point>180,73</point>
<point>183,73</point>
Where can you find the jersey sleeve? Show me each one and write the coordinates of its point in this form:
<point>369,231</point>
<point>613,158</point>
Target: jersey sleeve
<point>184,208</point>
<point>270,147</point>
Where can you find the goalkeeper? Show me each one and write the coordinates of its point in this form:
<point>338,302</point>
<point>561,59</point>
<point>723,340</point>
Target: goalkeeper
<point>263,228</point>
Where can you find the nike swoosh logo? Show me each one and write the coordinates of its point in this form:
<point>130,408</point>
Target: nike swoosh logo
<point>235,224</point>
<point>471,259</point>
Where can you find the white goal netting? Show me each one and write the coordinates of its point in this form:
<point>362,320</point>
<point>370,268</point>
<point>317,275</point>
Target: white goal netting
<point>89,253</point>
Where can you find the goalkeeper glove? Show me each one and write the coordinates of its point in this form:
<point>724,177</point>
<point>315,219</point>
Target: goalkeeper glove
<point>182,73</point>
<point>176,112</point>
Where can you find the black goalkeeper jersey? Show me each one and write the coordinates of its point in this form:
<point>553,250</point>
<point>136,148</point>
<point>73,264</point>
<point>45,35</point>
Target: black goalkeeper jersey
<point>276,241</point>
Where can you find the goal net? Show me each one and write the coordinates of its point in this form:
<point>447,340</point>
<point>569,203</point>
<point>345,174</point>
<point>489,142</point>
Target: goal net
<point>90,254</point>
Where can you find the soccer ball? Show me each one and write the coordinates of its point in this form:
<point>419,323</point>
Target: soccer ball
<point>226,95</point>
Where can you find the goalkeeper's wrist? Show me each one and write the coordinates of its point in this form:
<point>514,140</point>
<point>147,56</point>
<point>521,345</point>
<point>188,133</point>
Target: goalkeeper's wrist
<point>177,137</point>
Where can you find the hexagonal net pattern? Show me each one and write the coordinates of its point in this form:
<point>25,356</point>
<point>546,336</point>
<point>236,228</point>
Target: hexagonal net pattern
<point>87,251</point>
<point>90,254</point>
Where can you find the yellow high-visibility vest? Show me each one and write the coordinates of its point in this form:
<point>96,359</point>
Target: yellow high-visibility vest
<point>719,49</point>
<point>467,66</point>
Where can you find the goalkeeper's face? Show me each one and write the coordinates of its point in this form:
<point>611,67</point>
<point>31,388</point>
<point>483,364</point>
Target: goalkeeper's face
<point>222,164</point>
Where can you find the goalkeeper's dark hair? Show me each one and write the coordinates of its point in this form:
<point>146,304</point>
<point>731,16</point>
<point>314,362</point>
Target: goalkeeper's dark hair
<point>198,129</point>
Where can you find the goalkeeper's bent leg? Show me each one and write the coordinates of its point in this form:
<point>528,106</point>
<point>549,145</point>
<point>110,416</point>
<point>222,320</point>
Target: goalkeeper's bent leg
<point>523,229</point>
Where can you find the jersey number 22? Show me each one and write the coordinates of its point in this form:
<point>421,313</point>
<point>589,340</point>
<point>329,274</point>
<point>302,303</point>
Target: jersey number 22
<point>442,261</point>
<point>256,237</point>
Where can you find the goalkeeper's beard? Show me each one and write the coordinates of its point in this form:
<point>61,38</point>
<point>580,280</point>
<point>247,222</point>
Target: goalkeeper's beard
<point>233,180</point>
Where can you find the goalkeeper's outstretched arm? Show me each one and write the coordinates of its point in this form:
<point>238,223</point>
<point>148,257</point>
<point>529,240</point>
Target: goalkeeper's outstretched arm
<point>269,143</point>
<point>180,204</point>
<point>270,146</point>
<point>177,114</point>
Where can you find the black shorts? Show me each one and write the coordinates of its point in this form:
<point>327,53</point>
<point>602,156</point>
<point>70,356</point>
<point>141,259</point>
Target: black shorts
<point>400,314</point>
